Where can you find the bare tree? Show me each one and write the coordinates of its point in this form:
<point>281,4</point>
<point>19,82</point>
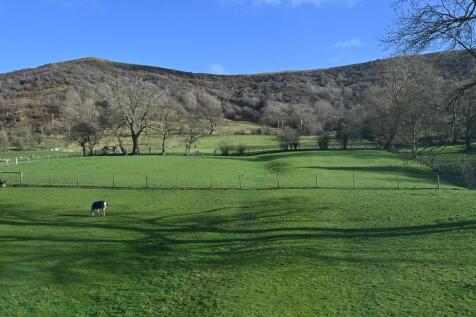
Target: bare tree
<point>467,117</point>
<point>289,139</point>
<point>210,110</point>
<point>135,105</point>
<point>275,113</point>
<point>87,135</point>
<point>193,129</point>
<point>421,25</point>
<point>168,117</point>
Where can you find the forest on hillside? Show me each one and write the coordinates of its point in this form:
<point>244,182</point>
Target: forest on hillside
<point>398,101</point>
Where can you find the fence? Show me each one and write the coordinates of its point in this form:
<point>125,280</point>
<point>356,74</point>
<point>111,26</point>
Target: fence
<point>460,171</point>
<point>324,179</point>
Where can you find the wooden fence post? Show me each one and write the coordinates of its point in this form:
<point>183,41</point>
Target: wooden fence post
<point>21,178</point>
<point>438,179</point>
<point>49,178</point>
<point>277,177</point>
<point>353,178</point>
<point>239,178</point>
<point>113,181</point>
<point>398,181</point>
<point>317,180</point>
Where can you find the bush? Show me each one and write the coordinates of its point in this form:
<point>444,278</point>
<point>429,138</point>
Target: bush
<point>241,149</point>
<point>225,148</point>
<point>18,143</point>
<point>257,131</point>
<point>289,139</point>
<point>323,142</point>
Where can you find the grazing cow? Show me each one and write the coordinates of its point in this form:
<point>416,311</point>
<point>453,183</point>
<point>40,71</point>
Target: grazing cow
<point>99,207</point>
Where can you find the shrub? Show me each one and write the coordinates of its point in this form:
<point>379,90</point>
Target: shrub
<point>18,143</point>
<point>241,149</point>
<point>225,148</point>
<point>323,142</point>
<point>289,139</point>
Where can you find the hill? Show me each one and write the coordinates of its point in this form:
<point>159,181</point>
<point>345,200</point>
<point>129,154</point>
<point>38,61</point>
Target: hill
<point>41,92</point>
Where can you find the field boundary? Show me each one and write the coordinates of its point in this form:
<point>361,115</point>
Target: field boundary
<point>203,188</point>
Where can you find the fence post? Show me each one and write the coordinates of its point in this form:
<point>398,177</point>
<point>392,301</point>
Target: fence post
<point>277,177</point>
<point>438,179</point>
<point>113,181</point>
<point>353,178</point>
<point>239,178</point>
<point>211,184</point>
<point>16,160</point>
<point>21,178</point>
<point>49,178</point>
<point>398,181</point>
<point>317,180</point>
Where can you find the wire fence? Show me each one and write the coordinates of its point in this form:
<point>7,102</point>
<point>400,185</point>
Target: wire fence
<point>460,171</point>
<point>324,179</point>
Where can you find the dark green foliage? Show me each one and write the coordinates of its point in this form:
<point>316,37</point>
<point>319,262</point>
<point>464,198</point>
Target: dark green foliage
<point>323,141</point>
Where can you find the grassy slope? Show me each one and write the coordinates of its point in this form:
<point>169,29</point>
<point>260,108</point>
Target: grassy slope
<point>373,169</point>
<point>238,253</point>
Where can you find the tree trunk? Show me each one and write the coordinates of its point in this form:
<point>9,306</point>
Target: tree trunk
<point>135,143</point>
<point>452,139</point>
<point>83,146</point>
<point>212,127</point>
<point>468,137</point>
<point>414,142</point>
<point>162,146</point>
<point>345,141</point>
<point>121,146</point>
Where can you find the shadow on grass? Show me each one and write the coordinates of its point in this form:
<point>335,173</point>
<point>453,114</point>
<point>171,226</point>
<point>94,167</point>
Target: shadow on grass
<point>230,235</point>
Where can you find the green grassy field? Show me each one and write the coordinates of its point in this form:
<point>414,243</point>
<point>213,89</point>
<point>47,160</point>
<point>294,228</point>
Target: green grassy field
<point>238,253</point>
<point>331,169</point>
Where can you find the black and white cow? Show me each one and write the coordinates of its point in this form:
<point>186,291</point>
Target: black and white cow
<point>99,207</point>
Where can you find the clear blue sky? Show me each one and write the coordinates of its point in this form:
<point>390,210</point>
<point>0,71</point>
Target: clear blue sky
<point>218,36</point>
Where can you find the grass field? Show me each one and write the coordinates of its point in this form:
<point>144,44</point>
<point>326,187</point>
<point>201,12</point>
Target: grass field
<point>331,169</point>
<point>238,253</point>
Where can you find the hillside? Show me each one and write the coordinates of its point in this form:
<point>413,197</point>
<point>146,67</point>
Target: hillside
<point>243,97</point>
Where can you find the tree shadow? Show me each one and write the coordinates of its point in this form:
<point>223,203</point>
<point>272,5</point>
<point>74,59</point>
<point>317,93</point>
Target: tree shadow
<point>241,235</point>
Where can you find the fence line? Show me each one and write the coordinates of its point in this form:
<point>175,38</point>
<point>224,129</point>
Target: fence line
<point>316,182</point>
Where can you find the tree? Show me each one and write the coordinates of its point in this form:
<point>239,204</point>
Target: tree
<point>467,117</point>
<point>275,113</point>
<point>210,110</point>
<point>289,139</point>
<point>4,141</point>
<point>135,105</point>
<point>168,114</point>
<point>422,25</point>
<point>87,135</point>
<point>401,106</point>
<point>193,129</point>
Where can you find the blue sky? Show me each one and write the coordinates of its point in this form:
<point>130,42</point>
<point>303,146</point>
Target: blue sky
<point>217,36</point>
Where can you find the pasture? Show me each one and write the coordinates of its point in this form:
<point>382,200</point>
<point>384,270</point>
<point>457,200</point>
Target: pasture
<point>303,169</point>
<point>258,251</point>
<point>238,253</point>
